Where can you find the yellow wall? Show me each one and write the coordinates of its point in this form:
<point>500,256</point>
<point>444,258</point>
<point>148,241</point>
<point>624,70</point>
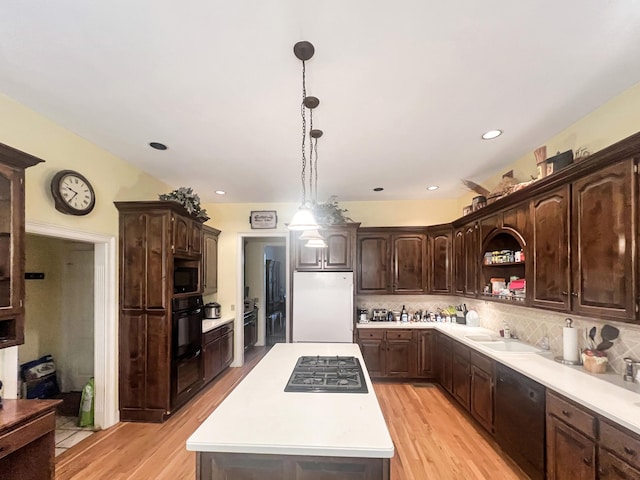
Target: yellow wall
<point>610,123</point>
<point>112,178</point>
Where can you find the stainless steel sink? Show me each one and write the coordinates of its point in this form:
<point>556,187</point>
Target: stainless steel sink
<point>500,344</point>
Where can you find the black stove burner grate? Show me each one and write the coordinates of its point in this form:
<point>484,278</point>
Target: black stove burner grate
<point>323,374</point>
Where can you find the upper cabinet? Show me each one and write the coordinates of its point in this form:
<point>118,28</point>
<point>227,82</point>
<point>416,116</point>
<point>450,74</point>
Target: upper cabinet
<point>583,245</point>
<point>12,165</point>
<point>603,240</point>
<point>338,256</point>
<point>441,261</point>
<point>549,249</point>
<point>466,252</point>
<point>209,259</point>
<point>187,236</point>
<point>392,260</point>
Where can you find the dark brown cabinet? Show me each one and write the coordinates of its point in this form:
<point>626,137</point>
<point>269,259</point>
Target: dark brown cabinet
<point>373,348</point>
<point>440,255</point>
<point>397,353</point>
<point>612,468</point>
<point>217,351</point>
<point>374,263</point>
<point>481,390</point>
<point>187,236</point>
<point>209,259</point>
<point>27,439</point>
<point>12,166</point>
<point>426,354</point>
<point>444,349</point>
<point>570,454</point>
<point>461,371</point>
<point>466,255</point>
<point>391,260</point>
<point>604,227</point>
<point>147,242</point>
<point>549,282</point>
<point>214,466</point>
<point>338,256</point>
<point>581,245</point>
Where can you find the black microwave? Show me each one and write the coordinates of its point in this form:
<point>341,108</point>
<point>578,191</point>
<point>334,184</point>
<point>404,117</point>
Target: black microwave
<point>185,279</point>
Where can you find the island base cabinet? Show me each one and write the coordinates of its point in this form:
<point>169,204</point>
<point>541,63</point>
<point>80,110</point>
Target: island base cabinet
<point>241,466</point>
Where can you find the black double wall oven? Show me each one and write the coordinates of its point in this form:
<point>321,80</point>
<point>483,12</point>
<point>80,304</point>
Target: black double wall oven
<point>186,347</point>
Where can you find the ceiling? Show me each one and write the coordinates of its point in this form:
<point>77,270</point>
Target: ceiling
<point>406,88</point>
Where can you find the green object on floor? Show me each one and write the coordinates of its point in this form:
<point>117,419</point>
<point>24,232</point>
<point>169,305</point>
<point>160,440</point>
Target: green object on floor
<point>85,417</point>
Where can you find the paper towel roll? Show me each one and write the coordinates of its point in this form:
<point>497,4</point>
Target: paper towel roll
<point>570,344</point>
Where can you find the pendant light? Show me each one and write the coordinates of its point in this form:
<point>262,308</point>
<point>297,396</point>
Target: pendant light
<point>303,218</point>
<point>313,237</point>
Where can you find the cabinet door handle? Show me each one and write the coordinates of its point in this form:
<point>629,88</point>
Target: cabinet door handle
<point>566,413</point>
<point>587,461</point>
<point>564,294</point>
<point>574,294</point>
<point>629,451</point>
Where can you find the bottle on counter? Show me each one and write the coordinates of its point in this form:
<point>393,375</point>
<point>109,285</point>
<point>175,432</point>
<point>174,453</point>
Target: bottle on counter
<point>404,316</point>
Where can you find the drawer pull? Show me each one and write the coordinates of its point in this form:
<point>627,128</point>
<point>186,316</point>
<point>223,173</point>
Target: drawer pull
<point>629,451</point>
<point>566,413</point>
<point>587,461</point>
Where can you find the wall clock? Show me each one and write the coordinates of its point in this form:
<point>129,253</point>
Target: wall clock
<point>72,193</point>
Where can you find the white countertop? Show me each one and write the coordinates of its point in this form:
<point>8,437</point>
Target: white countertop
<point>620,403</point>
<point>260,417</point>
<point>210,323</point>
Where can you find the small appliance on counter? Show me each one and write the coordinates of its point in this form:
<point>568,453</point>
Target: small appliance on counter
<point>363,315</point>
<point>379,315</point>
<point>212,310</point>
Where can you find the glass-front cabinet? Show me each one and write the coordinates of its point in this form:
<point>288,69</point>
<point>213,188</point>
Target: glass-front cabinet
<point>12,165</point>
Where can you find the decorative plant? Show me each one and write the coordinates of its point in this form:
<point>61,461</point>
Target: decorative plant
<point>190,200</point>
<point>330,213</point>
<point>581,153</point>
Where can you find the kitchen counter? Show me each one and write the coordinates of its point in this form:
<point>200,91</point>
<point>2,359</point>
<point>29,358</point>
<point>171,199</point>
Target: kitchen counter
<point>210,323</point>
<point>612,399</point>
<point>259,417</point>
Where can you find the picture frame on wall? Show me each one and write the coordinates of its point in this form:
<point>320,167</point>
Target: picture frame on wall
<point>261,219</point>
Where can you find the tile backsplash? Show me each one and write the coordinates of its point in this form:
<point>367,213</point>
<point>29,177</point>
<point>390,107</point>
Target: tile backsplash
<point>530,325</point>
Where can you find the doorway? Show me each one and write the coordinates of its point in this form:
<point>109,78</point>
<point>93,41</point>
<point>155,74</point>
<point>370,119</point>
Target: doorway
<point>259,252</point>
<point>103,316</point>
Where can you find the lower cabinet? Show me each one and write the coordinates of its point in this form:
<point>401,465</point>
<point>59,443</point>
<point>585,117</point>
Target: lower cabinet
<point>481,390</point>
<point>217,348</point>
<point>444,353</point>
<point>397,353</point>
<point>575,451</point>
<point>461,374</point>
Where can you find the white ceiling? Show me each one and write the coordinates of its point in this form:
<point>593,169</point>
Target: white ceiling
<point>406,87</point>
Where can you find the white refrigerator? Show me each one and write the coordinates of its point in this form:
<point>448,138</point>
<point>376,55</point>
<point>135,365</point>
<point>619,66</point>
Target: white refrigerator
<point>323,307</point>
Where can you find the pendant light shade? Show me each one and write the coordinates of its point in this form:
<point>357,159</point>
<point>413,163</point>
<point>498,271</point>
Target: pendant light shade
<point>303,220</point>
<point>316,243</point>
<point>311,235</point>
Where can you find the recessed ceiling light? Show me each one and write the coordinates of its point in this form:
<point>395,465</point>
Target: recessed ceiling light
<point>378,189</point>
<point>158,145</point>
<point>432,188</point>
<point>491,134</point>
<point>221,192</point>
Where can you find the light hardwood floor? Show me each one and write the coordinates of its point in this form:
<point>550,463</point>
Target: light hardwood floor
<point>433,439</point>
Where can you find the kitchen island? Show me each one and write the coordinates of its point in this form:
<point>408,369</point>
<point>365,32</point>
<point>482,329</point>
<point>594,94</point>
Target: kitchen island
<point>261,431</point>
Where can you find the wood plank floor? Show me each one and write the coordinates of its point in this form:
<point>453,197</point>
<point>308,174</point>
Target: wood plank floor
<point>433,439</point>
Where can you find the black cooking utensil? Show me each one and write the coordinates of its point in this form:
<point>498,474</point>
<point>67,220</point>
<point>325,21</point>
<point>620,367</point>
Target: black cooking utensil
<point>592,336</point>
<point>605,345</point>
<point>609,333</point>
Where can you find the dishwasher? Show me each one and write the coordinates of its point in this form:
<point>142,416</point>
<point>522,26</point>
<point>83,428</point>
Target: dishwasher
<point>520,420</point>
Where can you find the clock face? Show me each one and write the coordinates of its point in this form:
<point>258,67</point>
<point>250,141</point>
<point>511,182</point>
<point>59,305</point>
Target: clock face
<point>72,193</point>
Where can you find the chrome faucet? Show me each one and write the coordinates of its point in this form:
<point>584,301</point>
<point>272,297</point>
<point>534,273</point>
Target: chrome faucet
<point>629,375</point>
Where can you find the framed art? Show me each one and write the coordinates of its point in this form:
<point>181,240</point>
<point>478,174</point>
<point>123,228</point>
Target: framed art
<point>263,219</point>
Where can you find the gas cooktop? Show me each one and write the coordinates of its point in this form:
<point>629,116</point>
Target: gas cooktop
<point>323,374</point>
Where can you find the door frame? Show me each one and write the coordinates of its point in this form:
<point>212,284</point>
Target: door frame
<point>239,321</point>
<point>105,357</point>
